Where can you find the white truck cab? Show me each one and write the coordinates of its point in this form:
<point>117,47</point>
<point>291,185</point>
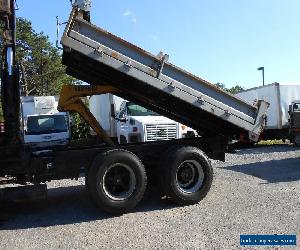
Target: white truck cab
<point>129,122</point>
<point>294,120</point>
<point>136,123</point>
<point>42,124</point>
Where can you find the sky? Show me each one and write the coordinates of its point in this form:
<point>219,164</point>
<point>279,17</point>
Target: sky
<point>220,41</point>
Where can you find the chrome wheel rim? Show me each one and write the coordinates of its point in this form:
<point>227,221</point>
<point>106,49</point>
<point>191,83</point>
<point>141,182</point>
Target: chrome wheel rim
<point>119,182</point>
<point>189,176</point>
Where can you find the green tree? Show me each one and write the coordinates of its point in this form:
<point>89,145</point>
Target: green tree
<point>220,85</point>
<point>79,129</point>
<point>41,62</point>
<point>42,71</point>
<point>236,89</point>
<point>233,90</point>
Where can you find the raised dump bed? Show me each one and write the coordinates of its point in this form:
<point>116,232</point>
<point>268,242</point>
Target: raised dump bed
<point>98,57</point>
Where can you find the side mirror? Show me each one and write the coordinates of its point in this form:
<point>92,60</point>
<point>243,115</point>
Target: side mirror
<point>122,119</point>
<point>290,109</point>
<point>112,110</point>
<point>71,120</point>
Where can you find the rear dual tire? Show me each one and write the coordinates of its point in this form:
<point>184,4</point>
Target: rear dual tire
<point>117,179</point>
<point>187,175</point>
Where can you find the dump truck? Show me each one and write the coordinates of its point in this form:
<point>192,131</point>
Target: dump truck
<point>116,175</point>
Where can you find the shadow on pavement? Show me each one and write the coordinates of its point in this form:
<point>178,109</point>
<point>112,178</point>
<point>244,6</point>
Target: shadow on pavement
<point>286,170</point>
<point>262,149</point>
<point>66,205</point>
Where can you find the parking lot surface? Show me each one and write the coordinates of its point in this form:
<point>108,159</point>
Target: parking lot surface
<point>256,191</point>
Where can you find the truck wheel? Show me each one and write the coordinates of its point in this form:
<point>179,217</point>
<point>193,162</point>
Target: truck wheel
<point>117,181</point>
<point>187,175</point>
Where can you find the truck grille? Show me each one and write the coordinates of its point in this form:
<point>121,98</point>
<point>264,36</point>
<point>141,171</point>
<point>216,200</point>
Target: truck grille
<point>155,132</point>
<point>296,119</point>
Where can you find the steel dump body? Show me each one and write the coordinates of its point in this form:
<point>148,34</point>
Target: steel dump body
<point>98,57</point>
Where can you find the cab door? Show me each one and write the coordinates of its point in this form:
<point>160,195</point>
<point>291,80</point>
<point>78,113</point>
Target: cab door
<point>123,124</point>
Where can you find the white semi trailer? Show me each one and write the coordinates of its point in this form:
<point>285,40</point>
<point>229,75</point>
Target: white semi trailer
<point>280,96</point>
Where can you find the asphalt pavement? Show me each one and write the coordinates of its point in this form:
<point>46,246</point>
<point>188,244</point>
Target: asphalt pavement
<point>256,191</point>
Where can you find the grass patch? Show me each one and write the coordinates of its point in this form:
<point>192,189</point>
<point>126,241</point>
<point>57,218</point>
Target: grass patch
<point>270,142</point>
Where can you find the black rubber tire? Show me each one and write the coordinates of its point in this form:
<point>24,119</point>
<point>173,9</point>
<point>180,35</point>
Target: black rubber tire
<point>95,183</point>
<point>170,165</point>
<point>123,139</point>
<point>86,181</point>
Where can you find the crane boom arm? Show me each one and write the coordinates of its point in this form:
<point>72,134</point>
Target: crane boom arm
<point>70,101</point>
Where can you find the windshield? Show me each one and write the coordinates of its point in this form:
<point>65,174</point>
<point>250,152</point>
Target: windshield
<point>46,124</point>
<point>137,110</point>
<point>296,107</point>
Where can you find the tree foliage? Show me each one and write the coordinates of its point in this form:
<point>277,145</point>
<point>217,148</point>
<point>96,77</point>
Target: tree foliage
<point>41,62</point>
<point>79,129</point>
<point>233,90</point>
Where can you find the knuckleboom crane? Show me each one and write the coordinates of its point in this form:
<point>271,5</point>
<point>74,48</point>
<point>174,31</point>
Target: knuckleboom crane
<point>70,101</point>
